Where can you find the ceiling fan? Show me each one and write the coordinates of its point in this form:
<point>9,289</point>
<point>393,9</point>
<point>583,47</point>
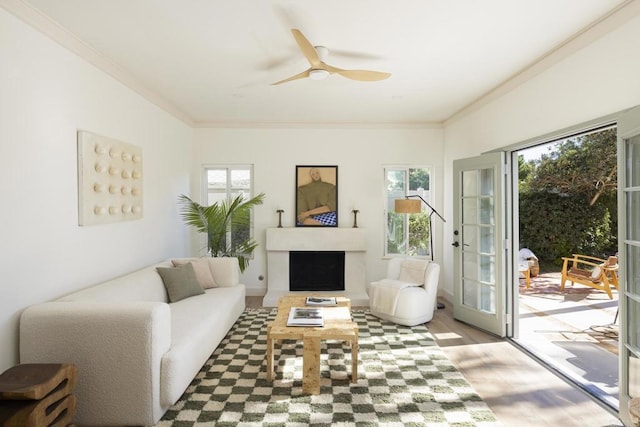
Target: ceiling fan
<point>320,70</point>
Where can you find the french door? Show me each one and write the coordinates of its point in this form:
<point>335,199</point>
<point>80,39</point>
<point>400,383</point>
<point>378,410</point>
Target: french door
<point>480,247</point>
<point>629,258</point>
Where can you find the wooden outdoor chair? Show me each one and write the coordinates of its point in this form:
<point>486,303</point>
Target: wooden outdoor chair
<point>590,271</point>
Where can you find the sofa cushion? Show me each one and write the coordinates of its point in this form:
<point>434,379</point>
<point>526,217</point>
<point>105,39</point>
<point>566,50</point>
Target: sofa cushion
<point>197,326</point>
<point>202,269</point>
<point>180,282</point>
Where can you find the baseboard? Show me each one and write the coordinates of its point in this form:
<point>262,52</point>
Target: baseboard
<point>255,292</point>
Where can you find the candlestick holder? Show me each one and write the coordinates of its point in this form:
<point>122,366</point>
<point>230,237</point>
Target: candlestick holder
<point>355,218</point>
<point>280,211</point>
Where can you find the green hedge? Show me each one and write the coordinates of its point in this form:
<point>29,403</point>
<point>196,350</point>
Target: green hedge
<point>554,225</point>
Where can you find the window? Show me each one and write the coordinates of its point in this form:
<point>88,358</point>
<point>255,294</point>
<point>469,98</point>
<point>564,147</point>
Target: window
<point>407,234</point>
<point>224,183</point>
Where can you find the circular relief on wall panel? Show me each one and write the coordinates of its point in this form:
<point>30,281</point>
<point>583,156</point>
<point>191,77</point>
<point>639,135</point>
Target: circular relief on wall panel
<point>125,190</point>
<point>113,189</point>
<point>98,188</point>
<point>114,170</point>
<point>100,168</point>
<point>135,191</point>
<point>126,156</point>
<point>126,209</point>
<point>136,174</point>
<point>113,210</point>
<point>114,152</point>
<point>136,209</point>
<point>99,210</point>
<point>136,158</point>
<point>126,174</point>
<point>100,149</point>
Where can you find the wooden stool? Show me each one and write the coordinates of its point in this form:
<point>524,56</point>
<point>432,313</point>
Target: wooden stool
<point>38,395</point>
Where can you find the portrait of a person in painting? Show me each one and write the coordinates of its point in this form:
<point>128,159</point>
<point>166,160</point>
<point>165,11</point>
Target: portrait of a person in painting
<point>317,197</point>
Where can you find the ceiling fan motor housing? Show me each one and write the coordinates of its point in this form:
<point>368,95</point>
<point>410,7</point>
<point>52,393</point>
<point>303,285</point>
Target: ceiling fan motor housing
<point>318,74</point>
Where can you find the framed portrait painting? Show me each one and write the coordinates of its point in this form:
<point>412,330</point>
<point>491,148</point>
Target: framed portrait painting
<point>316,196</point>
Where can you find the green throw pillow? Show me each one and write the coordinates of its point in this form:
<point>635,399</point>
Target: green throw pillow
<point>180,282</point>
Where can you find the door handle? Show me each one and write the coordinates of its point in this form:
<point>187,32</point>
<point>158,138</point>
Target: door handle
<point>455,244</point>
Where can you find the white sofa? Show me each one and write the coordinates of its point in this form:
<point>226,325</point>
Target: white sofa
<point>135,352</point>
<point>408,294</point>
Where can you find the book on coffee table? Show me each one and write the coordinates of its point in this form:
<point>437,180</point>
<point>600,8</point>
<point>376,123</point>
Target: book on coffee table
<point>321,301</point>
<point>304,316</point>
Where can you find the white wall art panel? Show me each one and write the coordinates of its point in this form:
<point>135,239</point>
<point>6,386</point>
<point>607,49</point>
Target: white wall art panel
<point>109,180</point>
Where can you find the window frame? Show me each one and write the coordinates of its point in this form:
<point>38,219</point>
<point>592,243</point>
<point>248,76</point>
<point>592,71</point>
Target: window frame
<point>229,192</point>
<point>427,194</point>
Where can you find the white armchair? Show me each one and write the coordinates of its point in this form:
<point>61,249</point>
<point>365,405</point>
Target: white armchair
<point>408,294</point>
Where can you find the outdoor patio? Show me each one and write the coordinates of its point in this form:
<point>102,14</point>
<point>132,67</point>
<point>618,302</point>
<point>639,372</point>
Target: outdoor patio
<point>574,331</point>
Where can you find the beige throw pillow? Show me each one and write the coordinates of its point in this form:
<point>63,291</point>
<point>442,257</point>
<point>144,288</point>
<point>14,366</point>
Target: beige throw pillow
<point>201,268</point>
<point>412,271</point>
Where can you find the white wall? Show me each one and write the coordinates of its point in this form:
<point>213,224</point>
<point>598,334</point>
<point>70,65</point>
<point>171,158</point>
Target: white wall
<point>360,155</point>
<point>46,95</point>
<point>598,80</point>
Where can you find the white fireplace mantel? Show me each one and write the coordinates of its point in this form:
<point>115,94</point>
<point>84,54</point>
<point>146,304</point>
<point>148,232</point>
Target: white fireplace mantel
<point>280,241</point>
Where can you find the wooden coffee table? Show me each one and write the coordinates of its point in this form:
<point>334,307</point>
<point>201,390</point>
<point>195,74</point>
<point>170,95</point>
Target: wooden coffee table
<point>338,325</point>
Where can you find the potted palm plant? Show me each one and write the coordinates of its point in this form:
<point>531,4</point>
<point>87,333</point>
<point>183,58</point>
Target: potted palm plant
<point>226,225</point>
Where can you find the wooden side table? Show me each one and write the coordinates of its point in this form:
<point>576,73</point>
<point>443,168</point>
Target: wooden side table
<point>38,394</point>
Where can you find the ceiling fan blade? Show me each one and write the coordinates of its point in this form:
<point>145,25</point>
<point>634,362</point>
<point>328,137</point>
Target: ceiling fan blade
<point>360,75</point>
<point>307,48</point>
<point>301,75</point>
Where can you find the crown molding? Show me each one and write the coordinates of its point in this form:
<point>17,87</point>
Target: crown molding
<point>50,28</point>
<point>325,125</point>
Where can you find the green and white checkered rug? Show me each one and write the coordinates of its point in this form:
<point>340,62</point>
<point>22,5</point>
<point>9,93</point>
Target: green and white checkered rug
<point>404,379</point>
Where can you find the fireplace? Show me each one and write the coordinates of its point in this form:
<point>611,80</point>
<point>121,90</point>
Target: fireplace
<point>352,242</point>
<point>316,270</point>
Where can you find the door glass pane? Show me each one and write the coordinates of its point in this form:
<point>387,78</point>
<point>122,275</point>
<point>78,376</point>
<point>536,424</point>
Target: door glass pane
<point>633,269</point>
<point>633,161</point>
<point>469,183</point>
<point>486,182</point>
<point>486,240</point>
<point>487,264</point>
<point>470,266</point>
<point>469,237</point>
<point>633,318</point>
<point>487,298</point>
<point>470,293</point>
<point>633,215</point>
<point>634,374</point>
<point>470,211</point>
<point>486,211</point>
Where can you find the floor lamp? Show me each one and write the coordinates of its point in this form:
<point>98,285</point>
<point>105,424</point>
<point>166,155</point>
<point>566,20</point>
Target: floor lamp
<point>409,205</point>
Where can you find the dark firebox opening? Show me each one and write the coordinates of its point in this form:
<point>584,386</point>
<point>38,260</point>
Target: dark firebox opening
<point>316,271</point>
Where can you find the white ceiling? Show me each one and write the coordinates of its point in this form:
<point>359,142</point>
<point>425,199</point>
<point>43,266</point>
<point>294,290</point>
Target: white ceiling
<point>212,61</point>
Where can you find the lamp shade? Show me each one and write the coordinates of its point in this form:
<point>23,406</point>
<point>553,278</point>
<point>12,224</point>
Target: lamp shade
<point>408,206</point>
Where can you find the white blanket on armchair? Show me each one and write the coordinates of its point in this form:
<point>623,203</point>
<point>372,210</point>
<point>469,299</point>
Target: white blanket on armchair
<point>384,296</point>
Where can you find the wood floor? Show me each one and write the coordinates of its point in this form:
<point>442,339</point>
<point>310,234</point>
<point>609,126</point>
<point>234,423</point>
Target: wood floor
<point>520,391</point>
